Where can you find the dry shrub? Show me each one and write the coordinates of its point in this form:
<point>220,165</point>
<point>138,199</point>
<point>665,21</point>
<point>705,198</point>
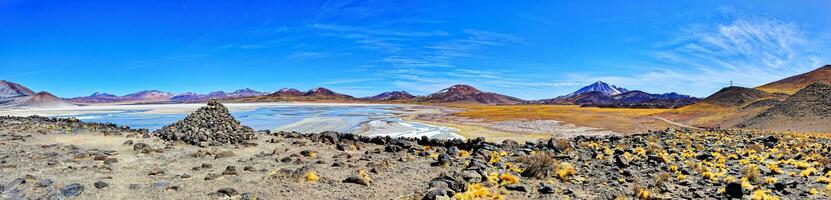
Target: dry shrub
<point>752,173</point>
<point>824,161</point>
<point>757,147</point>
<point>563,144</point>
<point>540,165</point>
<point>641,193</point>
<point>662,178</point>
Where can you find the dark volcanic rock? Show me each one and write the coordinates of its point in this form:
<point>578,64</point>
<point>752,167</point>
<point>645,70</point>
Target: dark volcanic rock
<point>212,124</point>
<point>72,190</point>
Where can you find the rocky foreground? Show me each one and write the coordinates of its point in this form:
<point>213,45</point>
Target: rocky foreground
<point>42,158</point>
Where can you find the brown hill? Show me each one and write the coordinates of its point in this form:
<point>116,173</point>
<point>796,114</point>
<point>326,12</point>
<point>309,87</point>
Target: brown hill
<point>325,94</point>
<point>287,92</point>
<point>735,96</point>
<point>40,100</point>
<point>807,110</point>
<point>726,108</point>
<point>468,95</point>
<point>794,83</point>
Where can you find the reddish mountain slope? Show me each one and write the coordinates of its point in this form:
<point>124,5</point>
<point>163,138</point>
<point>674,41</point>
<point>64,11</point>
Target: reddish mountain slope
<point>793,84</point>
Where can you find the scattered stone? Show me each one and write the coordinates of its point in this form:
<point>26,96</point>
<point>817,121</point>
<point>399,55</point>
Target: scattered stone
<point>734,190</point>
<point>100,184</point>
<point>44,183</point>
<point>160,185</point>
<point>155,171</point>
<point>228,192</point>
<point>436,193</point>
<point>308,153</point>
<point>356,180</point>
<point>110,160</point>
<point>224,154</point>
<point>545,189</point>
<point>72,190</point>
<point>128,142</point>
<point>230,170</point>
<point>516,187</point>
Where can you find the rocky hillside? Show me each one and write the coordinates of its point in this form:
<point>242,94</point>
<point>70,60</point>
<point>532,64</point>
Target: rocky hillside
<point>793,84</point>
<point>468,94</point>
<point>807,110</point>
<point>13,95</point>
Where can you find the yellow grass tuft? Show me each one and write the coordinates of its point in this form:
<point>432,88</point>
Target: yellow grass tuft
<point>464,153</point>
<point>311,176</point>
<point>823,179</point>
<point>364,175</point>
<point>762,195</point>
<point>495,157</point>
<point>770,180</point>
<point>508,179</point>
<point>808,172</point>
<point>642,193</point>
<point>565,170</point>
<point>476,192</point>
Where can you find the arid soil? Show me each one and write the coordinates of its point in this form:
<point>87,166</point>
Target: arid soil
<point>43,158</point>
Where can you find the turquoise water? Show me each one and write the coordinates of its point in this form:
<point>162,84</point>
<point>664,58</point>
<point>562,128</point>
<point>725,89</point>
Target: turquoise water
<point>262,118</point>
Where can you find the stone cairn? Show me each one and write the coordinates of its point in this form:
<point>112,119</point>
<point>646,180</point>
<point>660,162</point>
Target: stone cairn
<point>211,125</point>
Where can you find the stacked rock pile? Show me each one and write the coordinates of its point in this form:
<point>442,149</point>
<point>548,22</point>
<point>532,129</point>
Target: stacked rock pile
<point>211,125</point>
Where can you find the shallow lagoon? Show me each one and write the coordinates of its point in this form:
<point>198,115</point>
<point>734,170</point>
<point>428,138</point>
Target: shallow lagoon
<point>374,120</point>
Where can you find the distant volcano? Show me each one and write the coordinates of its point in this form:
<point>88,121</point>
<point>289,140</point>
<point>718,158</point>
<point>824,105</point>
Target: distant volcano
<point>468,94</point>
<point>600,87</point>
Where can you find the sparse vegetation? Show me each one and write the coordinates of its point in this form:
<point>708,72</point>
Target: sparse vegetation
<point>539,165</point>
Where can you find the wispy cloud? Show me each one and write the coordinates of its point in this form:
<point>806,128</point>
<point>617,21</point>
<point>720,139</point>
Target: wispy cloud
<point>348,81</point>
<point>303,55</point>
<point>748,50</point>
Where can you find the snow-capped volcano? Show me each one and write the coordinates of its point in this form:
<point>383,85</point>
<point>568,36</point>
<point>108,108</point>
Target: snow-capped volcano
<point>601,87</point>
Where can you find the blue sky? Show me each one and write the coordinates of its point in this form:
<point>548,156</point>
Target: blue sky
<point>527,49</point>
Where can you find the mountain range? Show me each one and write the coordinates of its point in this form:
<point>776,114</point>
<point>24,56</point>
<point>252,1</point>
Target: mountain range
<point>155,96</point>
<point>597,94</point>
